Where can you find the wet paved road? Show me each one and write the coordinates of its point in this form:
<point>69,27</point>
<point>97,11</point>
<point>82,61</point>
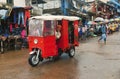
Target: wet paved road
<point>92,61</point>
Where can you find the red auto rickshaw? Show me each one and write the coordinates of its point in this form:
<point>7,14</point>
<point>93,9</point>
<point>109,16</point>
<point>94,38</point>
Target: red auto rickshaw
<point>42,39</point>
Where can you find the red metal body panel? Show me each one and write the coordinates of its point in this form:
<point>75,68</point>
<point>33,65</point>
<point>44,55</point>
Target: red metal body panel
<point>50,48</point>
<point>63,42</point>
<point>39,45</point>
<point>76,43</point>
<point>27,15</point>
<point>46,44</point>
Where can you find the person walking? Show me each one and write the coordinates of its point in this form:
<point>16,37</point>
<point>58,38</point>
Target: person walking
<point>103,33</point>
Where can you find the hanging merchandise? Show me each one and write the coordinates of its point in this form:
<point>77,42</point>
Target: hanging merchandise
<point>20,18</point>
<point>74,4</point>
<point>3,13</point>
<point>15,17</point>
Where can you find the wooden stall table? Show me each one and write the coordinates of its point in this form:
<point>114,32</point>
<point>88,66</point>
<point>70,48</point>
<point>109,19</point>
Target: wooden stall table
<point>18,42</point>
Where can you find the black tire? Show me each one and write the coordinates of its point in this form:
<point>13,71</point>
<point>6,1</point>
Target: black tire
<point>58,56</point>
<point>71,52</point>
<point>60,52</point>
<point>54,58</point>
<point>33,61</point>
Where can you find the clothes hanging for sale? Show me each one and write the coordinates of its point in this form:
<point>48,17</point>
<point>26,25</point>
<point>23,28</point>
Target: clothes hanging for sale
<point>10,27</point>
<point>20,18</point>
<point>27,15</point>
<point>15,17</point>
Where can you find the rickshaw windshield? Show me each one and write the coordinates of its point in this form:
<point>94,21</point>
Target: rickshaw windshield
<point>35,27</point>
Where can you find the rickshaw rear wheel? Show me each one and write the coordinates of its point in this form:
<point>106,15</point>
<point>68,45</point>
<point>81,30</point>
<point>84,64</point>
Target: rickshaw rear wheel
<point>60,52</point>
<point>33,61</point>
<point>54,58</point>
<point>71,52</point>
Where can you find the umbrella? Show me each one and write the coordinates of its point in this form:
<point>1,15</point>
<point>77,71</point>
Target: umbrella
<point>91,23</point>
<point>111,20</point>
<point>117,19</point>
<point>106,20</point>
<point>99,19</point>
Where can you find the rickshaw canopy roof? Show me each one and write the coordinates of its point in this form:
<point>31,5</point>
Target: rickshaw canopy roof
<point>56,17</point>
<point>71,18</point>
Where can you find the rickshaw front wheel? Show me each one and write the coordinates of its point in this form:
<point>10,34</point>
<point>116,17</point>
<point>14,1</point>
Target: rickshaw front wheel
<point>71,52</point>
<point>34,60</point>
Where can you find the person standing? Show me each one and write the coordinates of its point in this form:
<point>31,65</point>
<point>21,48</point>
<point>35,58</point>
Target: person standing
<point>23,35</point>
<point>57,32</point>
<point>103,33</point>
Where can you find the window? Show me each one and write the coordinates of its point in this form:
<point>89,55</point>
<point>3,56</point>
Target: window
<point>38,1</point>
<point>48,28</point>
<point>9,1</point>
<point>34,1</point>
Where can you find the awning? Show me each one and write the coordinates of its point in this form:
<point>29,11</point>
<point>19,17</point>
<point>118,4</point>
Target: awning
<point>3,13</point>
<point>38,2</point>
<point>104,1</point>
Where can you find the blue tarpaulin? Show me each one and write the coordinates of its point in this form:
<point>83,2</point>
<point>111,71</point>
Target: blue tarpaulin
<point>3,13</point>
<point>115,2</point>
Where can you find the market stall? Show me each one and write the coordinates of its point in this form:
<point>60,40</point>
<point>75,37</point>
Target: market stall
<point>14,26</point>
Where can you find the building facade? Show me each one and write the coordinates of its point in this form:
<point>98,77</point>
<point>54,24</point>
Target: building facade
<point>20,3</point>
<point>82,8</point>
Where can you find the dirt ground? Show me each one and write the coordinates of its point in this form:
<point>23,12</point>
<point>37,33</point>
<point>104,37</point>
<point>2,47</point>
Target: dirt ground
<point>93,60</point>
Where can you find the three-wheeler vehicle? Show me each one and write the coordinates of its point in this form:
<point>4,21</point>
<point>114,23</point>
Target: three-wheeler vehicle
<point>45,42</point>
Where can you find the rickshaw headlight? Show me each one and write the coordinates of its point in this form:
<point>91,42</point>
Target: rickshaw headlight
<point>35,41</point>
